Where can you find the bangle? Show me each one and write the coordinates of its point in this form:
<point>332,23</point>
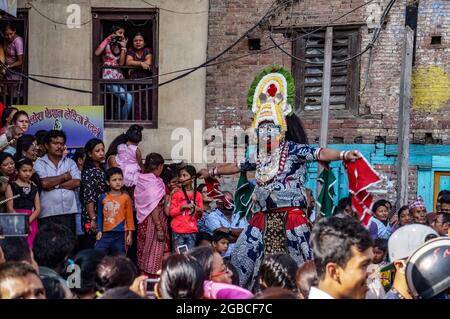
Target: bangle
<point>341,156</point>
<point>211,172</point>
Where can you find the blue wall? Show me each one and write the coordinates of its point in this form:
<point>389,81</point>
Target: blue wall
<point>428,159</point>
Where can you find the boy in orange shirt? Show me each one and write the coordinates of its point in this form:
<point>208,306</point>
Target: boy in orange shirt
<point>115,216</point>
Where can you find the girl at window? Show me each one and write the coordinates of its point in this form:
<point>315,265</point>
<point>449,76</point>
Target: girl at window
<point>113,51</point>
<point>140,57</point>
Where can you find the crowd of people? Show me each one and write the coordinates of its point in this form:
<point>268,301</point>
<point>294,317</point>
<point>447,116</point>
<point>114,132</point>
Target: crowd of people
<point>109,222</point>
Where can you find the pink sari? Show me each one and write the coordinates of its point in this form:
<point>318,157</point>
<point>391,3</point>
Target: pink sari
<point>149,199</point>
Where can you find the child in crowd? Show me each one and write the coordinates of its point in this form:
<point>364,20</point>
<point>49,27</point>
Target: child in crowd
<point>186,208</point>
<point>79,157</point>
<point>28,202</point>
<point>220,242</point>
<point>203,239</point>
<point>207,207</point>
<point>115,216</point>
<point>125,153</point>
<point>378,281</point>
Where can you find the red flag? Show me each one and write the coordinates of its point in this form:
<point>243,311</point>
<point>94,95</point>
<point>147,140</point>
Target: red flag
<point>360,177</point>
<point>214,191</point>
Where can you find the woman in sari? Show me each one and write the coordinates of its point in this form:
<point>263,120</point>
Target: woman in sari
<point>149,194</point>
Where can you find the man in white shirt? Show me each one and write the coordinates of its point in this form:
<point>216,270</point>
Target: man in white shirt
<point>60,178</point>
<point>342,250</point>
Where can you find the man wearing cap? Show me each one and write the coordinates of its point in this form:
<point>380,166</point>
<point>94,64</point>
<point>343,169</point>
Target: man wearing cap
<point>418,211</point>
<point>401,245</point>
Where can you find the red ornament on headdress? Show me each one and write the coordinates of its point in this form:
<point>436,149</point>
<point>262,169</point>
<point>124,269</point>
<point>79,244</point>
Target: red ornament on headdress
<point>272,90</point>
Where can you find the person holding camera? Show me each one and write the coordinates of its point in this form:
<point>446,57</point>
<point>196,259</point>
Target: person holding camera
<point>113,50</point>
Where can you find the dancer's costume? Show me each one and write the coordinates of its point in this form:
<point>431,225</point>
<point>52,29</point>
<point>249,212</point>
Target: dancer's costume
<point>279,223</point>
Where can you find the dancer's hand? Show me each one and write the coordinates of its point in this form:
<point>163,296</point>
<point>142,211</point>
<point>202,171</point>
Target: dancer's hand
<point>352,155</point>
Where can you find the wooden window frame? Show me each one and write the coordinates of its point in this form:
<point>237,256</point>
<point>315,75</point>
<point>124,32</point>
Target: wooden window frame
<point>99,14</point>
<point>353,73</point>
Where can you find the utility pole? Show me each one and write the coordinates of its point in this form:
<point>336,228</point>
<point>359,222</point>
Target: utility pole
<point>405,104</point>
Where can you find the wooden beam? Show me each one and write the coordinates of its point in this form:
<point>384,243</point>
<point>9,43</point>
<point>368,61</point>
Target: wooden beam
<point>403,118</point>
<point>326,88</point>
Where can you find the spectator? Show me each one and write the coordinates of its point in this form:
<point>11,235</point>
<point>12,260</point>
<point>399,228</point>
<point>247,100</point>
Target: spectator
<point>19,280</point>
<point>235,273</point>
<point>13,134</point>
<point>400,246</point>
<point>54,289</point>
<point>79,157</point>
<point>443,203</point>
<point>378,281</point>
<point>220,242</point>
<point>14,57</point>
<point>153,243</point>
<point>186,207</point>
<point>207,201</point>
<point>379,250</point>
<point>278,270</point>
<point>115,272</point>
<point>120,293</point>
<point>59,178</point>
<point>28,201</point>
<point>305,278</point>
<point>140,57</point>
<point>403,215</point>
<point>182,277</point>
<point>7,117</point>
<point>342,250</point>
<point>213,264</point>
<point>381,219</point>
<point>124,152</point>
<point>203,240</point>
<point>52,247</point>
<point>40,136</point>
<point>440,223</point>
<point>21,120</point>
<point>87,260</point>
<point>7,166</point>
<point>345,204</point>
<point>93,185</point>
<point>418,211</point>
<point>224,219</point>
<point>170,178</point>
<point>113,51</point>
<point>17,249</point>
<point>115,216</point>
<point>26,148</point>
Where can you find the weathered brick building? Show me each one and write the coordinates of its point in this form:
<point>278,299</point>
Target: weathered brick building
<point>364,91</point>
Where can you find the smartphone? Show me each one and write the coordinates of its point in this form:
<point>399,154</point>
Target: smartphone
<point>151,282</point>
<point>14,225</point>
<point>182,249</point>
